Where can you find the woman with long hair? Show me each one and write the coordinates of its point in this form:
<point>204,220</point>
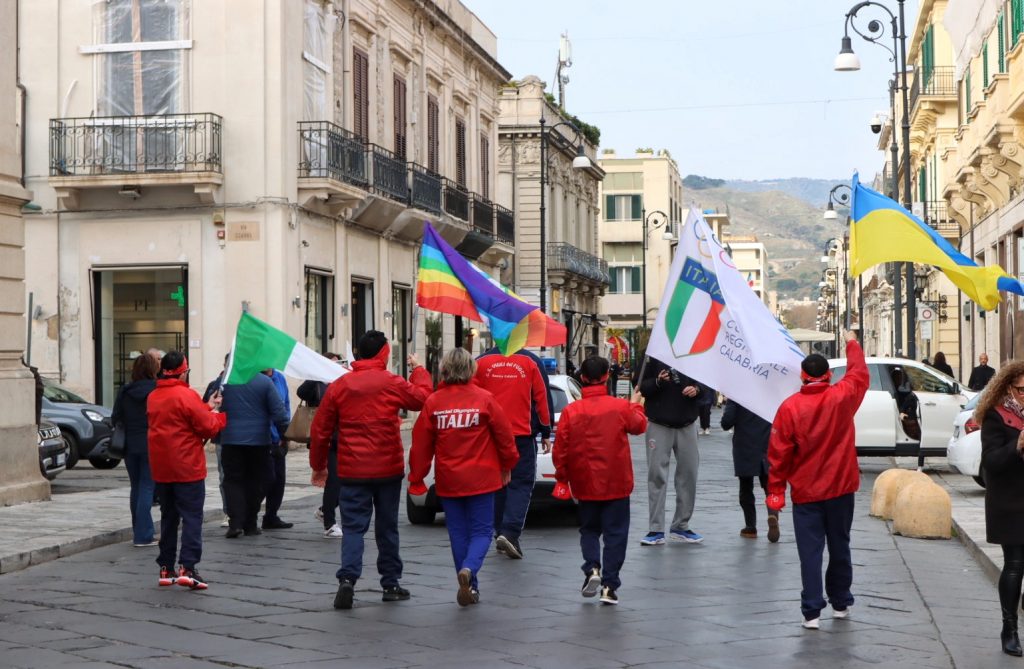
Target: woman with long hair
<point>1001,416</point>
<point>130,410</point>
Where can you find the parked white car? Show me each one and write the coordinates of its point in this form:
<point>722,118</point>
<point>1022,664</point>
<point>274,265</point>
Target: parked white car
<point>879,430</point>
<point>421,509</point>
<point>964,450</point>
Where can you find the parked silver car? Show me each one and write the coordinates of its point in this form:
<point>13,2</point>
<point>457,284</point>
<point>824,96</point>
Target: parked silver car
<point>84,426</point>
<point>53,452</point>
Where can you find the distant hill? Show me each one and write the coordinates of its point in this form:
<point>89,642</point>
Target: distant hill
<point>789,224</point>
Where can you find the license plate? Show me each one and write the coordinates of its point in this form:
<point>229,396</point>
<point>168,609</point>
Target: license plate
<point>60,459</point>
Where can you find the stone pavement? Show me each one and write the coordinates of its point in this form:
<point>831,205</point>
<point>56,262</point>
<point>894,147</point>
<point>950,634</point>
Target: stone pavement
<point>729,603</point>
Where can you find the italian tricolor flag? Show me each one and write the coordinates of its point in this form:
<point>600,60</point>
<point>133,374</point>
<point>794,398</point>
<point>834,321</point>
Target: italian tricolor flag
<point>258,346</point>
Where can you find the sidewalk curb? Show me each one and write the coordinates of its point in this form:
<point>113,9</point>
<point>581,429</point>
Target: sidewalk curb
<point>981,557</point>
<point>19,561</point>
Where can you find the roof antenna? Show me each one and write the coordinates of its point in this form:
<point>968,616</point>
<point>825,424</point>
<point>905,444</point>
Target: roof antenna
<point>564,63</point>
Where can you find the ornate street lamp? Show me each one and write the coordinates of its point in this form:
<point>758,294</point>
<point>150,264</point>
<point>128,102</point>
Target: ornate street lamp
<point>647,229</point>
<point>847,61</point>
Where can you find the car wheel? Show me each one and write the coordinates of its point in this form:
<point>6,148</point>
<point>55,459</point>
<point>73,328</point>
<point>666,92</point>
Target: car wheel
<point>103,463</point>
<point>72,444</point>
<point>418,515</point>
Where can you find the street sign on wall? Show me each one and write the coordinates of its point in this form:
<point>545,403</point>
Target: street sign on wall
<point>926,329</point>
<point>925,312</point>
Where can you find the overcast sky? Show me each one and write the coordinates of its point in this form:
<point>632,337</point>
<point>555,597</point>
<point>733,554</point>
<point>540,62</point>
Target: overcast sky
<point>733,88</point>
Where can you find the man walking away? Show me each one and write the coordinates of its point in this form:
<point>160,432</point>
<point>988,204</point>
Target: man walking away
<point>981,375</point>
<point>362,406</point>
<point>517,384</point>
<point>277,471</point>
<point>812,448</point>
<point>672,407</point>
<point>179,423</point>
<point>750,460</point>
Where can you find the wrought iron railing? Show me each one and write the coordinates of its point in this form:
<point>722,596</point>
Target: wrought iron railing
<point>329,151</point>
<point>936,215</point>
<point>426,189</point>
<point>456,200</point>
<point>389,177</point>
<point>937,81</point>
<point>483,215</point>
<point>505,230</point>
<point>567,258</point>
<point>135,144</point>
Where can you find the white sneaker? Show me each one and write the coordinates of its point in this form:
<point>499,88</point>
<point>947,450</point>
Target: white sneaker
<point>841,615</point>
<point>812,624</point>
<point>319,513</point>
<point>226,522</point>
<point>333,532</point>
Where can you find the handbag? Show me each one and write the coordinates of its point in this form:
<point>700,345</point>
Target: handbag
<point>302,421</point>
<point>115,449</point>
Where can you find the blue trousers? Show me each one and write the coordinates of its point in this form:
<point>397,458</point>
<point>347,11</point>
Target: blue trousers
<point>181,503</point>
<point>358,503</point>
<point>607,519</point>
<point>815,525</point>
<point>470,528</point>
<point>141,496</point>
<point>513,501</point>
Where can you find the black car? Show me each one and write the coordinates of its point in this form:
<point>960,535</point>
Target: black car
<point>53,452</point>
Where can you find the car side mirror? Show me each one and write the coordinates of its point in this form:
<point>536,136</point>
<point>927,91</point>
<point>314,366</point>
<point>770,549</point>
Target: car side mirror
<point>956,388</point>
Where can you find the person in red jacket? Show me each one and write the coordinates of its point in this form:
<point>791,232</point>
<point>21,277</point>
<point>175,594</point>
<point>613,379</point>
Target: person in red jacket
<point>812,448</point>
<point>517,384</point>
<point>465,432</point>
<point>591,456</point>
<point>179,424</point>
<point>362,406</point>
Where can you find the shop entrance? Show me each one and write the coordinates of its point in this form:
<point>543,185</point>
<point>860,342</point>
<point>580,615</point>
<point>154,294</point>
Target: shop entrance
<point>135,309</point>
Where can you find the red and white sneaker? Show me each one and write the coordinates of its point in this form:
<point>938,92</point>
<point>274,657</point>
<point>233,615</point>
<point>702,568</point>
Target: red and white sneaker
<point>167,577</point>
<point>190,578</point>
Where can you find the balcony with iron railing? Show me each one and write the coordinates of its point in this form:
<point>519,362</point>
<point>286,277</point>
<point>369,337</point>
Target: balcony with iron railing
<point>157,150</point>
<point>505,229</point>
<point>482,211</point>
<point>936,215</point>
<point>566,258</point>
<point>938,82</point>
<point>456,200</point>
<point>426,192</point>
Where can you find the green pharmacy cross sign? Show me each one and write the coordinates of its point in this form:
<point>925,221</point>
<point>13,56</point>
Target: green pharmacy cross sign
<point>179,295</point>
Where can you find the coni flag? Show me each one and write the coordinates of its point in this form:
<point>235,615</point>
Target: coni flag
<point>715,329</point>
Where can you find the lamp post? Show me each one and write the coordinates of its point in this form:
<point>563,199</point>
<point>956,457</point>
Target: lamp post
<point>847,61</point>
<point>840,194</point>
<point>580,162</point>
<point>647,229</point>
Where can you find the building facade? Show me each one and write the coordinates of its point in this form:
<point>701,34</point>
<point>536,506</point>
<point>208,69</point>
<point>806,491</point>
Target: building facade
<point>193,160</point>
<point>571,277</point>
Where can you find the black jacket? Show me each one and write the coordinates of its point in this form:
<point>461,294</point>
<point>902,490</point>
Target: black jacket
<point>311,392</point>
<point>749,439</point>
<point>665,403</point>
<point>980,376</point>
<point>1004,481</point>
<point>251,408</point>
<point>130,410</point>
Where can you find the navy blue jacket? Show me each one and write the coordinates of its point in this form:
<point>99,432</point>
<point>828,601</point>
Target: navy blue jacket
<point>130,410</point>
<point>251,408</point>
<point>749,439</point>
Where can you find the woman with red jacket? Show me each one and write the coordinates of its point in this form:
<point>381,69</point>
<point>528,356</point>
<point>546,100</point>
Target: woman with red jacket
<point>464,430</point>
<point>591,455</point>
<point>179,423</point>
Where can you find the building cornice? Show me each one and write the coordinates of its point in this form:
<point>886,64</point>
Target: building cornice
<point>455,30</point>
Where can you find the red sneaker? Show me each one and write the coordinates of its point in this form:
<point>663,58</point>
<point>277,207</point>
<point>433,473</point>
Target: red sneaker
<point>190,578</point>
<point>166,577</point>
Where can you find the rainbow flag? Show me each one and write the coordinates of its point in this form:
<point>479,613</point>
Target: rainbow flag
<point>450,284</point>
<point>883,231</point>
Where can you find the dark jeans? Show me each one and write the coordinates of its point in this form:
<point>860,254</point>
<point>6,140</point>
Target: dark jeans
<point>513,501</point>
<point>141,496</point>
<point>470,522</point>
<point>245,472</point>
<point>332,487</point>
<point>274,485</point>
<point>1010,579</point>
<point>747,498</point>
<point>358,504</point>
<point>181,503</point>
<point>705,416</point>
<point>607,519</point>
<point>816,524</point>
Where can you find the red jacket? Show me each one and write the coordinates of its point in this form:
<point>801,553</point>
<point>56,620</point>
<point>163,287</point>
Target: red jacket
<point>812,443</point>
<point>516,382</point>
<point>179,423</point>
<point>467,435</point>
<point>591,450</point>
<point>363,407</point>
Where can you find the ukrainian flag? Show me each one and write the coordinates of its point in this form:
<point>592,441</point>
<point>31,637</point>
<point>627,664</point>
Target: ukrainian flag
<point>883,231</point>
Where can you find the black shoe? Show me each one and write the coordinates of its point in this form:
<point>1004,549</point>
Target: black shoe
<point>343,600</point>
<point>608,596</point>
<point>591,583</point>
<point>233,533</point>
<point>395,593</point>
<point>276,524</point>
<point>510,547</point>
<point>255,531</point>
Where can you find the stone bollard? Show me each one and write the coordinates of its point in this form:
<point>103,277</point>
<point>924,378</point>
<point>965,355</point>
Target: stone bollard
<point>887,487</point>
<point>923,511</point>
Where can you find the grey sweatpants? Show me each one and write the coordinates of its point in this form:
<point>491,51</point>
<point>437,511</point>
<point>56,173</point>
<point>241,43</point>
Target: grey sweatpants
<point>662,442</point>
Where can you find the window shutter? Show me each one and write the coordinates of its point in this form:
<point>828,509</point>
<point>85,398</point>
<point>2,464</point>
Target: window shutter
<point>1001,41</point>
<point>967,86</point>
<point>485,166</point>
<point>609,208</point>
<point>928,56</point>
<point>400,117</point>
<point>433,140</point>
<point>460,152</point>
<point>613,285</point>
<point>635,278</point>
<point>984,64</point>
<point>637,208</point>
<point>361,94</point>
<point>922,184</point>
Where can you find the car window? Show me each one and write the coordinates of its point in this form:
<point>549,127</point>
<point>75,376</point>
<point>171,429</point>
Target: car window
<point>55,393</point>
<point>574,389</point>
<point>558,399</point>
<point>873,375</point>
<point>972,403</point>
<point>924,381</point>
